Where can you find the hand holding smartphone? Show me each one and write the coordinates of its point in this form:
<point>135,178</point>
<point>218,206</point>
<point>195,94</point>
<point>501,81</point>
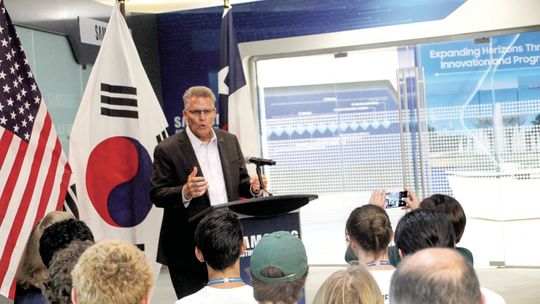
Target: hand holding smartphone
<point>395,199</point>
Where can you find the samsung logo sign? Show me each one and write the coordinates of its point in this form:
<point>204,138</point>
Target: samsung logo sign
<point>92,31</point>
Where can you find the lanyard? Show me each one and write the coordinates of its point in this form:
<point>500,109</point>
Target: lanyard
<point>371,264</point>
<point>225,280</point>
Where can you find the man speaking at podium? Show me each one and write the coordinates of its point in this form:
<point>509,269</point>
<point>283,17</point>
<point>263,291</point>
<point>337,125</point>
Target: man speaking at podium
<point>193,170</point>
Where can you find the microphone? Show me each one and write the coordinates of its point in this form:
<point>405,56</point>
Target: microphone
<point>259,161</point>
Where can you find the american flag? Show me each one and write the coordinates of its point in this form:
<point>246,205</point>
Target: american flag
<point>34,172</point>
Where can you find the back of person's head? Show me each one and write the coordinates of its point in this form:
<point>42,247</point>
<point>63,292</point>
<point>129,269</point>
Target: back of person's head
<point>60,235</point>
<point>112,272</point>
<point>219,238</point>
<point>279,268</point>
<point>32,271</point>
<point>421,229</point>
<point>57,287</point>
<point>435,275</point>
<point>354,285</point>
<point>449,206</point>
<point>370,227</point>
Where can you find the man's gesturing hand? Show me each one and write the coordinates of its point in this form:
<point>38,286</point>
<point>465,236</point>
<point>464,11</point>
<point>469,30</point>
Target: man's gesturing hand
<point>195,186</point>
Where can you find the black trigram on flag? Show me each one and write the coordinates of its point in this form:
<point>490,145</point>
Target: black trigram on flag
<point>70,203</point>
<point>161,136</point>
<point>119,101</point>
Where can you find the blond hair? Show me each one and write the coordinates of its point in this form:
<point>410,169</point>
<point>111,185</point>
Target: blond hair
<point>112,271</point>
<point>354,285</point>
<point>32,271</point>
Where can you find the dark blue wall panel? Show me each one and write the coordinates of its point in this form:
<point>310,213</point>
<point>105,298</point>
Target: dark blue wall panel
<point>189,41</point>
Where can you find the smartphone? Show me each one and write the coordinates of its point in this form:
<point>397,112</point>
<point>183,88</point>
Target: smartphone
<point>395,199</point>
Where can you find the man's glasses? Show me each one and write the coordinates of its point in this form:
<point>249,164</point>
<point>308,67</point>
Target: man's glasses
<point>206,112</point>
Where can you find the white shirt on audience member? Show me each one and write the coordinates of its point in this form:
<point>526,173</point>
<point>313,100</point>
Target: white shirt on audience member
<point>383,277</point>
<point>211,295</point>
<point>491,296</point>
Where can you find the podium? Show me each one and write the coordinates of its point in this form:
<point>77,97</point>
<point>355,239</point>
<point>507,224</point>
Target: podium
<point>262,206</point>
<point>263,215</point>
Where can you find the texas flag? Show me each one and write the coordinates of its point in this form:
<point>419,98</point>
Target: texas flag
<point>118,124</point>
<point>236,111</point>
<point>231,74</point>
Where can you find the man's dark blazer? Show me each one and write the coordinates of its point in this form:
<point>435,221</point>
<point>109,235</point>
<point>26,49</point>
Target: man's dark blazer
<point>174,159</point>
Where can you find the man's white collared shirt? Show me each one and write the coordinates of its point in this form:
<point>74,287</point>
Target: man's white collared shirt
<point>208,157</point>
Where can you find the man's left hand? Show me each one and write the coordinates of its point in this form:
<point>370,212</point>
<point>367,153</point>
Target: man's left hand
<point>255,185</point>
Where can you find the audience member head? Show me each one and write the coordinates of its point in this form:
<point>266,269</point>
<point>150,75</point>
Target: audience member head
<point>279,268</point>
<point>435,275</point>
<point>112,272</point>
<point>57,287</point>
<point>421,229</point>
<point>369,227</point>
<point>354,285</point>
<point>449,206</point>
<point>197,91</point>
<point>32,271</point>
<point>219,239</point>
<point>60,235</point>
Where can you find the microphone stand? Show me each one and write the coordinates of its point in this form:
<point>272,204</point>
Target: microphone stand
<point>261,183</point>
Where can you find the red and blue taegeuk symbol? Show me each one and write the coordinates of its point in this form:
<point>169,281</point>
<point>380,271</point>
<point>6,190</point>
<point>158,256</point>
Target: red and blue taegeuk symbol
<point>118,181</point>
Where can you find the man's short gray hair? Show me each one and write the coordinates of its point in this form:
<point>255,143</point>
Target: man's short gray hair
<point>198,91</point>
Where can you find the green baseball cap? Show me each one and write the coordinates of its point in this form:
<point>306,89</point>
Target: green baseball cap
<point>283,251</point>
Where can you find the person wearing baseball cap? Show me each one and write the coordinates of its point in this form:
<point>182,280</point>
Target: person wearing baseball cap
<point>279,268</point>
